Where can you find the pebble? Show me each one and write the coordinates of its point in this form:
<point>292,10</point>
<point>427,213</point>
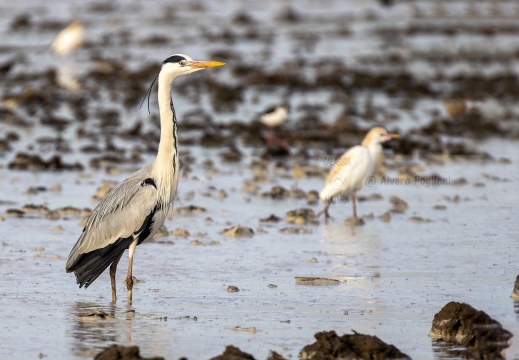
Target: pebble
<point>248,329</point>
<point>30,208</point>
<point>94,315</point>
<point>190,209</point>
<point>295,230</point>
<point>386,217</point>
<point>271,219</point>
<point>203,243</point>
<point>419,219</point>
<point>14,213</point>
<point>276,192</point>
<point>306,280</point>
<point>180,233</point>
<point>515,292</point>
<point>103,190</point>
<point>353,221</point>
<point>232,288</point>
<point>238,231</point>
<point>399,205</point>
<point>301,216</point>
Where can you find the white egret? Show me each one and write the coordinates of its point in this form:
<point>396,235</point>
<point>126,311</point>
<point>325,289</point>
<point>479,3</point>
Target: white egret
<point>69,39</point>
<point>353,168</point>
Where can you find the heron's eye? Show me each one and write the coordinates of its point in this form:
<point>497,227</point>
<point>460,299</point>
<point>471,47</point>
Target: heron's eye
<point>183,62</point>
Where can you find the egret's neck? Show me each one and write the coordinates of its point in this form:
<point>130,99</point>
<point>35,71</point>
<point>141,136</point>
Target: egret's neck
<point>375,149</point>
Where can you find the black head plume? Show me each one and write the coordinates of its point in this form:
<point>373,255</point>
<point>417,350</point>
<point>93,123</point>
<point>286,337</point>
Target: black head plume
<point>148,93</point>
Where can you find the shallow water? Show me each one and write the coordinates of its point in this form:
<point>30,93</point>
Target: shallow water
<point>394,275</point>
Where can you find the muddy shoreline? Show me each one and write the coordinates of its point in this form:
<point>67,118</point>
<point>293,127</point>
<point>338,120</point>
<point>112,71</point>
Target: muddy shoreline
<point>439,221</point>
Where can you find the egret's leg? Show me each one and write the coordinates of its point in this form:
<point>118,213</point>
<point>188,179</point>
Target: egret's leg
<point>113,269</point>
<point>325,212</point>
<point>129,278</point>
<point>353,197</point>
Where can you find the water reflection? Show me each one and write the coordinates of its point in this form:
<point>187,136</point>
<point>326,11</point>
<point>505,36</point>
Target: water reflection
<point>93,333</point>
<point>448,350</point>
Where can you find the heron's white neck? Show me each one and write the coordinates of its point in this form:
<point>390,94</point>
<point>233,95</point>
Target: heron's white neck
<point>166,164</point>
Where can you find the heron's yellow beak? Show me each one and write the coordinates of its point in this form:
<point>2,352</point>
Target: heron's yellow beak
<point>393,136</point>
<point>205,64</point>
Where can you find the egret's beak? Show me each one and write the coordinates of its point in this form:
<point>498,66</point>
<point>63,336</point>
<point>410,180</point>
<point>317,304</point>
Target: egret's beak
<point>392,136</point>
<point>196,64</point>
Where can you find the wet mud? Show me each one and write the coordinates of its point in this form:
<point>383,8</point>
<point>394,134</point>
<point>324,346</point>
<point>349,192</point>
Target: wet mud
<point>349,346</point>
<point>461,324</point>
<point>248,250</point>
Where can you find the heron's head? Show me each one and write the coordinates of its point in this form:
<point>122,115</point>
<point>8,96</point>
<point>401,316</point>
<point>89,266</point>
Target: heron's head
<point>179,64</point>
<point>378,135</point>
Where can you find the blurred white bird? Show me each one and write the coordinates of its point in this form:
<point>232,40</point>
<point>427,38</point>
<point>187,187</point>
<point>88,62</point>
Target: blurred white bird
<point>69,39</point>
<point>271,118</point>
<point>353,168</point>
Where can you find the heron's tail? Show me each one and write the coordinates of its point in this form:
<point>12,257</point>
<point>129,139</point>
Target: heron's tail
<point>87,267</point>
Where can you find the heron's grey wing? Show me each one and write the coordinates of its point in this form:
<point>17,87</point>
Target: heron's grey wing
<point>120,215</point>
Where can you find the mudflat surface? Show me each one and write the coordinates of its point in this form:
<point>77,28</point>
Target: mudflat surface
<point>456,240</point>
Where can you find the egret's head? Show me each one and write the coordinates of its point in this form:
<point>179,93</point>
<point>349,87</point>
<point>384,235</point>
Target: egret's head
<point>378,135</point>
<point>179,64</point>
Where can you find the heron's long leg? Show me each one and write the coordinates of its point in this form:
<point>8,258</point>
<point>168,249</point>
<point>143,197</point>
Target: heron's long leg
<point>353,197</point>
<point>129,279</point>
<point>113,269</point>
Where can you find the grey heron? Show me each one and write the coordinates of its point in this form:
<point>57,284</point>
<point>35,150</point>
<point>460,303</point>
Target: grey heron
<point>351,171</point>
<point>135,209</point>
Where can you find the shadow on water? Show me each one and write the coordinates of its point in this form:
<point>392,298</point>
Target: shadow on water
<point>516,309</point>
<point>96,326</point>
<point>448,350</point>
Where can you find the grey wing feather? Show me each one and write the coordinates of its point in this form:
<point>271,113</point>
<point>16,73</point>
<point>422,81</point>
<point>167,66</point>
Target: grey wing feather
<point>118,215</point>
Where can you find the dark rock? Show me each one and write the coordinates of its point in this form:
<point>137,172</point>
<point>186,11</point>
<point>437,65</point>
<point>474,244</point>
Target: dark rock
<point>349,347</point>
<point>399,205</point>
<point>275,356</point>
<point>301,216</point>
<point>515,292</point>
<point>238,231</point>
<point>296,230</point>
<point>274,150</point>
<point>23,161</point>
<point>233,353</point>
<point>461,324</point>
<point>277,192</point>
<point>213,139</point>
<point>271,219</point>
<point>232,154</point>
<point>117,352</point>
